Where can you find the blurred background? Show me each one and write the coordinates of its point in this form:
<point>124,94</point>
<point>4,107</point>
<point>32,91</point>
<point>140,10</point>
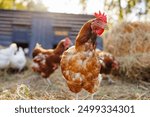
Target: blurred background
<point>116,9</point>
<point>27,22</point>
<point>21,21</point>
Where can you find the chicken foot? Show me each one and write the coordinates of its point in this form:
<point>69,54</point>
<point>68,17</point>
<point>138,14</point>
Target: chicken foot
<point>110,81</point>
<point>77,96</point>
<point>47,82</point>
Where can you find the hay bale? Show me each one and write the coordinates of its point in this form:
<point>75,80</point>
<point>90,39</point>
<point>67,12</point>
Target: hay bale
<point>130,43</point>
<point>128,38</point>
<point>134,67</point>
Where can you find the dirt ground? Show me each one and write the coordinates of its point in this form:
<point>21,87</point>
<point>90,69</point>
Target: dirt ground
<point>28,85</point>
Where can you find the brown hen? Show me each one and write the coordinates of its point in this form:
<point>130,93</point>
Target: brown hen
<point>108,63</point>
<point>46,61</point>
<point>80,64</point>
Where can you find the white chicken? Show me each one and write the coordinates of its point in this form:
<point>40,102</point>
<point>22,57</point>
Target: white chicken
<point>4,61</point>
<point>6,54</point>
<point>9,51</point>
<point>18,60</point>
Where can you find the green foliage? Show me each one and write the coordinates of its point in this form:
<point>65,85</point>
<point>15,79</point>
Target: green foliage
<point>116,4</point>
<point>23,5</point>
<point>36,6</point>
<point>84,4</point>
<point>148,6</point>
<point>131,4</point>
<point>120,11</point>
<point>110,5</point>
<point>6,4</point>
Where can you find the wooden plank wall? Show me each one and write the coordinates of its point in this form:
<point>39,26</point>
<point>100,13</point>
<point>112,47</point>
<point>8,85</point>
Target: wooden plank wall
<point>5,27</point>
<point>10,18</point>
<point>73,21</point>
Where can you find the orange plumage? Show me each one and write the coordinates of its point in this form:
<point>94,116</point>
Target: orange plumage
<point>108,63</point>
<point>46,61</point>
<point>80,64</point>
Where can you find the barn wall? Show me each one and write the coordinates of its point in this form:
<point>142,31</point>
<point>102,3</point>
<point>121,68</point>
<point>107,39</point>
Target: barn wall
<point>42,27</point>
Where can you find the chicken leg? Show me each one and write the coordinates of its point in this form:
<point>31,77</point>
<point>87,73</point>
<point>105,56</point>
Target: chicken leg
<point>47,82</point>
<point>110,81</point>
<point>77,96</point>
<point>92,96</point>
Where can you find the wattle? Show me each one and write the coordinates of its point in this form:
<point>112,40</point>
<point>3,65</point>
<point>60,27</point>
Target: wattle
<point>99,32</point>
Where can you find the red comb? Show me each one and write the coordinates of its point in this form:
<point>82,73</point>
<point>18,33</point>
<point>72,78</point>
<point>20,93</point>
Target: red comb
<point>101,16</point>
<point>67,40</point>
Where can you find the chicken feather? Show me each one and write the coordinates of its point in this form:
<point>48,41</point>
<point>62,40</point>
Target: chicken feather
<point>79,64</point>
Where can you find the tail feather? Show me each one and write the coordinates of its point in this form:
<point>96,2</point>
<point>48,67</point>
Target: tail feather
<point>36,50</point>
<point>37,45</point>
